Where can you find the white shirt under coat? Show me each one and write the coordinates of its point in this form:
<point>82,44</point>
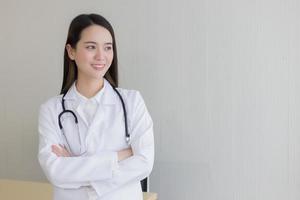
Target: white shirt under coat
<point>96,174</point>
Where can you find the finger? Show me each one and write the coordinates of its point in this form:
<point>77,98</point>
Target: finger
<point>69,153</point>
<point>58,151</point>
<point>62,146</point>
<point>62,150</point>
<point>55,148</point>
<point>65,150</point>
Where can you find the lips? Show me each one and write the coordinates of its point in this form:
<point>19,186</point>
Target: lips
<point>98,66</point>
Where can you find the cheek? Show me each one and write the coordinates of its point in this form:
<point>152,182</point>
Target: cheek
<point>110,58</point>
<point>82,60</point>
<point>84,57</point>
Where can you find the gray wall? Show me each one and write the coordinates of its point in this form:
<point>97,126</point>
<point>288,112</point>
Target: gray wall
<point>220,79</point>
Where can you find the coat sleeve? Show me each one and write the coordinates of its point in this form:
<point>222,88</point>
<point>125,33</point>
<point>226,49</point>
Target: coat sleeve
<point>140,165</point>
<point>69,172</point>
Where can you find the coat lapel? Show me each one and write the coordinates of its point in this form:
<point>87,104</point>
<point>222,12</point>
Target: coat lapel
<point>74,104</point>
<point>106,102</point>
<point>79,110</point>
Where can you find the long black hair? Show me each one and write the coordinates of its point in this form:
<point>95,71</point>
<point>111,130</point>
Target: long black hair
<point>77,25</point>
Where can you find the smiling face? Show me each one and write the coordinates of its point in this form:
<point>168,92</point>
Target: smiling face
<point>93,53</point>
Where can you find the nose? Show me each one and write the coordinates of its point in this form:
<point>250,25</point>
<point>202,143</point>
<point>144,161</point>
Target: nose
<point>99,54</point>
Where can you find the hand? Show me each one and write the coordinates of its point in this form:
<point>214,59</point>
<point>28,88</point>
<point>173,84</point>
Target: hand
<point>60,151</point>
<point>125,153</point>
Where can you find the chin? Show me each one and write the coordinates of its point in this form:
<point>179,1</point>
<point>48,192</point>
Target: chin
<point>98,77</point>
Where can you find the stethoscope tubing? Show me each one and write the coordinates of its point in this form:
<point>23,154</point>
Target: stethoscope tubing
<point>64,111</point>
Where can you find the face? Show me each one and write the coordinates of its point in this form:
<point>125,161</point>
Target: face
<point>93,53</point>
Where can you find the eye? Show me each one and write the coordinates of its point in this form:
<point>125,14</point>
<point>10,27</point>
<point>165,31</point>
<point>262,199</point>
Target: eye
<point>91,47</point>
<point>108,48</point>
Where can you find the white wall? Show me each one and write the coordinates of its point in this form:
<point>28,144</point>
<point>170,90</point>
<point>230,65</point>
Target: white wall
<point>220,79</point>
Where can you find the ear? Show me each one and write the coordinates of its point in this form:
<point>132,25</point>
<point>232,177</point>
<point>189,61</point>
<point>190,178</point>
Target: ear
<point>71,52</point>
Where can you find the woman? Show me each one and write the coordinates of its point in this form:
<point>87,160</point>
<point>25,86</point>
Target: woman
<point>85,148</point>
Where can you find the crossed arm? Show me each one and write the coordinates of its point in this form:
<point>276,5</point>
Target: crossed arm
<point>61,151</point>
<point>65,171</point>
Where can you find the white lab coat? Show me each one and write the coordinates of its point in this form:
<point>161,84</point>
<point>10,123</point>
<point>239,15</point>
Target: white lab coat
<point>97,171</point>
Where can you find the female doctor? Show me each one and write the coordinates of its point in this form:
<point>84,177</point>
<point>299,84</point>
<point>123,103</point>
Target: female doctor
<point>95,140</point>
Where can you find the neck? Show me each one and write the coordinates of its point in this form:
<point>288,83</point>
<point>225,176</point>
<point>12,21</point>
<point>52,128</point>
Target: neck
<point>89,88</point>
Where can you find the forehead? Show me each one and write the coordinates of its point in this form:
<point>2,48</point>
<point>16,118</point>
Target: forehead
<point>97,34</point>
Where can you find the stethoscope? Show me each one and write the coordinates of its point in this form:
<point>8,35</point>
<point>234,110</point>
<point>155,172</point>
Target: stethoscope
<point>127,136</point>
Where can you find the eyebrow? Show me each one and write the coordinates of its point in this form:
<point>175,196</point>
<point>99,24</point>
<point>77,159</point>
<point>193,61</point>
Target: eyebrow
<point>91,42</point>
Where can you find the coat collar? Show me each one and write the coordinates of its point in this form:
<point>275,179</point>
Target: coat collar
<point>106,95</point>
